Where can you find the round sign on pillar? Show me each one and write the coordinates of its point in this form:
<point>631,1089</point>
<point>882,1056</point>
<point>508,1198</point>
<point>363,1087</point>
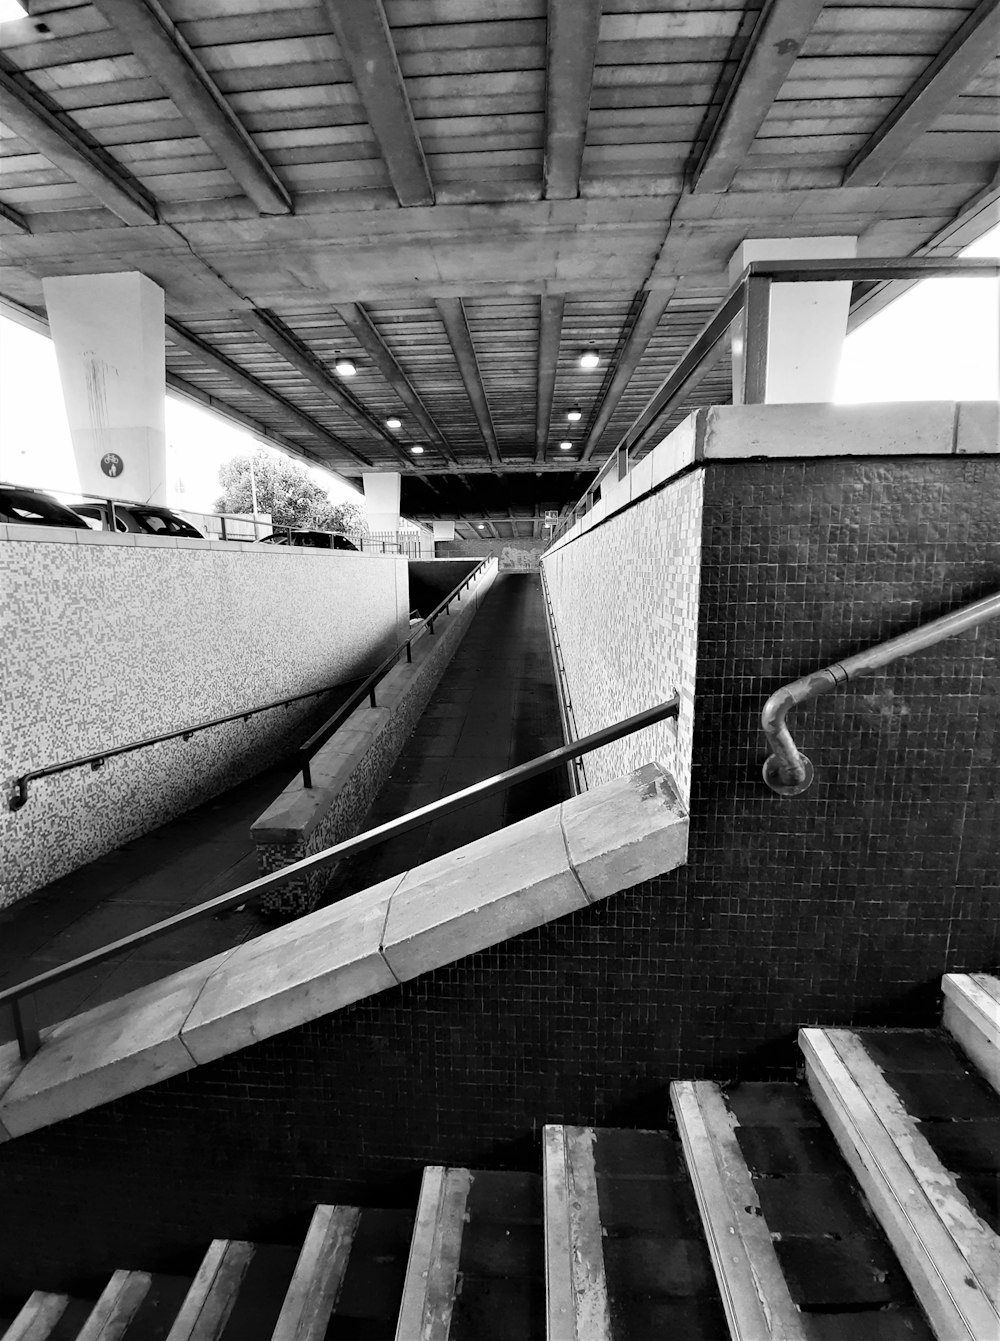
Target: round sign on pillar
<point>112,464</point>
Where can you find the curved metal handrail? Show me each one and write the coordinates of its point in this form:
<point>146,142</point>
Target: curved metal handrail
<point>21,997</point>
<point>367,687</point>
<point>789,772</point>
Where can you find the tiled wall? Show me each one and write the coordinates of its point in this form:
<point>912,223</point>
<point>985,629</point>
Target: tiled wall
<point>625,603</point>
<point>519,556</point>
<point>842,906</point>
<point>105,643</point>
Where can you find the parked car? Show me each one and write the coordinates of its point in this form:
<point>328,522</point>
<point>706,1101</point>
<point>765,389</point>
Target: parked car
<point>33,508</point>
<point>141,518</point>
<point>312,539</point>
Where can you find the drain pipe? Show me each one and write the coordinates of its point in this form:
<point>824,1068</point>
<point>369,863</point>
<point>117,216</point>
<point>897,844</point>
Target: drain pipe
<point>786,770</point>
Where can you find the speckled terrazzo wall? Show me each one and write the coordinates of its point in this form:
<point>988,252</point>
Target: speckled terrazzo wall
<point>625,603</point>
<point>106,643</point>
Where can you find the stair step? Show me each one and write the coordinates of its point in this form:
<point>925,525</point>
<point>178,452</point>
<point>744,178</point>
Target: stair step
<point>369,1302</point>
<point>212,1295</point>
<point>840,1271</point>
<point>624,1253</point>
<point>49,1317</point>
<point>319,1274</point>
<point>892,1135</point>
<point>119,1302</point>
<point>972,1017</point>
<point>752,1285</point>
<point>475,1266</point>
<point>159,1308</point>
<point>262,1291</point>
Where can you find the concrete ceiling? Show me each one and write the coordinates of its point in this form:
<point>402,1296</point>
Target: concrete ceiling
<point>462,195</point>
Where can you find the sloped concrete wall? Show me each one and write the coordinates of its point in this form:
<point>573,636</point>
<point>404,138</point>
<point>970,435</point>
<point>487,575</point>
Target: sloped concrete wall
<point>108,639</point>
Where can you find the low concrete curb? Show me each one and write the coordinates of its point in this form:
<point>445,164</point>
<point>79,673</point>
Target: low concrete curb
<point>352,768</point>
<point>518,878</point>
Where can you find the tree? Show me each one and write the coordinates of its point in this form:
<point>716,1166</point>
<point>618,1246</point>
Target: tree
<point>285,490</point>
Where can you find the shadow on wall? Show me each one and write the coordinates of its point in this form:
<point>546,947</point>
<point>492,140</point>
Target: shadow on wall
<point>515,556</point>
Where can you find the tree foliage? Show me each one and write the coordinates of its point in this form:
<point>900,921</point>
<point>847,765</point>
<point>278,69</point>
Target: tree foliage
<point>285,490</point>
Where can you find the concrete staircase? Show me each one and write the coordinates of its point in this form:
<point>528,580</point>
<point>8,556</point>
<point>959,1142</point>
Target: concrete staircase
<point>862,1205</point>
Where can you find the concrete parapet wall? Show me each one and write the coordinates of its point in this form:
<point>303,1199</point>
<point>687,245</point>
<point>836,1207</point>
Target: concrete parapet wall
<point>352,767</point>
<point>109,639</point>
<point>555,863</point>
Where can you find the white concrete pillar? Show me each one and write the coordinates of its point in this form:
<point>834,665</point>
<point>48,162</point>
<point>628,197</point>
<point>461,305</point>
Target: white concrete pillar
<point>108,334</point>
<point>382,500</point>
<point>444,530</point>
<point>808,321</point>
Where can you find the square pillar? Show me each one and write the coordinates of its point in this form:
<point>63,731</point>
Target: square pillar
<point>807,324</point>
<point>109,338</point>
<point>382,499</point>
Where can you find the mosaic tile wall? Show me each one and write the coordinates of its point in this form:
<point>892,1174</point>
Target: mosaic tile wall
<point>625,603</point>
<point>843,906</point>
<point>105,643</point>
<point>520,556</point>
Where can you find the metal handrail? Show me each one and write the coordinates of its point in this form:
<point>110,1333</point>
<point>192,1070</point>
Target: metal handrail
<point>789,772</point>
<point>367,687</point>
<point>750,297</point>
<point>18,794</point>
<point>21,996</point>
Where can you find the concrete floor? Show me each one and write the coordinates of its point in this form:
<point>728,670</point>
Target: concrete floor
<point>495,706</point>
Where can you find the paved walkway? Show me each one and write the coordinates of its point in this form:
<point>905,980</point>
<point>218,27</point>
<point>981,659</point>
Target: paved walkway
<point>494,707</point>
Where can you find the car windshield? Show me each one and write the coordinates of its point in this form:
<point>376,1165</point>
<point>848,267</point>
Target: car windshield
<point>163,523</point>
<point>22,505</point>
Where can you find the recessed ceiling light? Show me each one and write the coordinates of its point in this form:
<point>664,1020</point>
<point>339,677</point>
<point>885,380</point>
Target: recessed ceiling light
<point>481,526</point>
<point>574,413</point>
<point>393,422</point>
<point>589,358</point>
<point>416,449</point>
<point>565,446</point>
<point>346,367</point>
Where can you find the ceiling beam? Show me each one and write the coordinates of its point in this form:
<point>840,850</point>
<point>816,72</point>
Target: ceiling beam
<point>15,217</point>
<point>161,48</point>
<point>28,115</point>
<point>366,44</point>
<point>276,334</point>
<point>571,48</point>
<point>490,526</point>
<point>628,360</point>
<point>968,52</point>
<point>453,315</point>
<point>549,333</point>
<point>773,47</point>
<point>209,357</point>
<point>513,524</point>
<point>360,324</point>
<point>462,473</point>
<point>974,218</point>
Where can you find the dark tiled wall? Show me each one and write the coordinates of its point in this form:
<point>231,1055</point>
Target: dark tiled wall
<point>844,906</point>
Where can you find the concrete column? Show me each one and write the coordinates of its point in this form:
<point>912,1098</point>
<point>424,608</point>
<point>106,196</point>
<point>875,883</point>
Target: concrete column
<point>108,333</point>
<point>382,500</point>
<point>444,530</point>
<point>808,321</point>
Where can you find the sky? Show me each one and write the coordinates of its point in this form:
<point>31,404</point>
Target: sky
<point>939,341</point>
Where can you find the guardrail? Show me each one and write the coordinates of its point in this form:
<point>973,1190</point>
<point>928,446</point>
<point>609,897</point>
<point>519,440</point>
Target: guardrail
<point>790,773</point>
<point>750,300</point>
<point>367,687</point>
<point>21,998</point>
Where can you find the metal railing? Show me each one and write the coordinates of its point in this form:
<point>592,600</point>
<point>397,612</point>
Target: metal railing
<point>21,998</point>
<point>789,772</point>
<point>18,794</point>
<point>577,771</point>
<point>749,300</point>
<point>367,687</point>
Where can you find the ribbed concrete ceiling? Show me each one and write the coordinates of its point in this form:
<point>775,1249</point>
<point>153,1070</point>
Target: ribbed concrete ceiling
<point>462,195</point>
